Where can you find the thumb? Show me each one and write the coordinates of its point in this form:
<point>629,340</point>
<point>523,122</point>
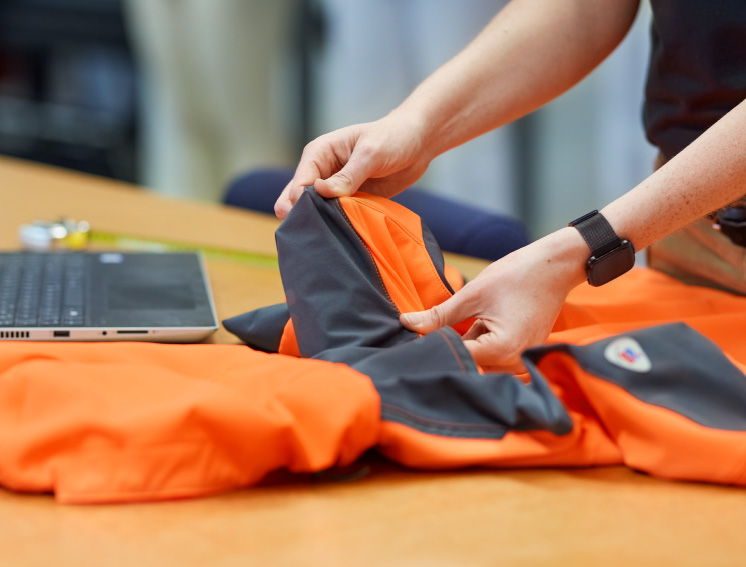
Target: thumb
<point>450,312</point>
<point>346,181</point>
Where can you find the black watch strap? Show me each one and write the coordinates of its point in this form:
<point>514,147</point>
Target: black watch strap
<point>597,233</point>
<point>611,256</point>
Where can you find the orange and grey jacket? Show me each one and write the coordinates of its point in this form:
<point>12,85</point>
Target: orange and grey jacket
<point>645,371</point>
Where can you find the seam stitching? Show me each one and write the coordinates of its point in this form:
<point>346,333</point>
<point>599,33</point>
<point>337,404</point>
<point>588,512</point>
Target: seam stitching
<point>370,254</point>
<point>425,421</point>
<point>419,241</point>
<point>453,350</point>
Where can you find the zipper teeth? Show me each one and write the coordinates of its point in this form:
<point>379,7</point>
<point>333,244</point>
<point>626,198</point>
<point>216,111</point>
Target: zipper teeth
<point>370,254</point>
<point>441,276</point>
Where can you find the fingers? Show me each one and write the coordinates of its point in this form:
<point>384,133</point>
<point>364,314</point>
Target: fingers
<point>320,159</point>
<point>339,163</point>
<point>485,347</point>
<point>489,349</point>
<point>343,183</point>
<point>284,203</point>
<point>305,174</point>
<point>496,353</point>
<point>450,312</point>
<point>517,368</point>
<point>477,329</point>
<point>348,179</point>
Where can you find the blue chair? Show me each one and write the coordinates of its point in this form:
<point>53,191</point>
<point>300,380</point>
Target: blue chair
<point>457,227</point>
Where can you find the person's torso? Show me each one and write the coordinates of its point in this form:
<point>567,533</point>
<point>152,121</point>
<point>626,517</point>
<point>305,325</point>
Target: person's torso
<point>697,68</point>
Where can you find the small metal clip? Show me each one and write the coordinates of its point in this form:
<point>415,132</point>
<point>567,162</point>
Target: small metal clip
<point>60,233</point>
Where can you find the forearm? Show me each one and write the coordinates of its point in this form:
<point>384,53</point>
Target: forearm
<point>707,175</point>
<point>531,52</point>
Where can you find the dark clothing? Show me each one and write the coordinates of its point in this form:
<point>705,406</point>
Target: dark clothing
<point>697,69</point>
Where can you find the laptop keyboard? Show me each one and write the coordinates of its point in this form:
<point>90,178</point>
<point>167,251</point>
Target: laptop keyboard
<point>42,290</point>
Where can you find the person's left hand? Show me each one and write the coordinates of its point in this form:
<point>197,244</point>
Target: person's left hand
<point>382,157</point>
<point>515,300</point>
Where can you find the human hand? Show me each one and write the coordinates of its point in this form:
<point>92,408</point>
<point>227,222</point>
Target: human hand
<point>383,157</point>
<point>515,300</point>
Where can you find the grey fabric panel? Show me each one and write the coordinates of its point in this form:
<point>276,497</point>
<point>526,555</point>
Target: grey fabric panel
<point>688,374</point>
<point>433,385</point>
<point>342,313</point>
<point>261,329</point>
<point>433,249</point>
<point>334,293</point>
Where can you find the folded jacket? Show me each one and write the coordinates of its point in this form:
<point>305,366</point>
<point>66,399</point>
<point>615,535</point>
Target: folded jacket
<point>645,371</point>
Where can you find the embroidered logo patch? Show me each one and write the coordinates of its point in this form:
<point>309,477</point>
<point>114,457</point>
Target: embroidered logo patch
<point>627,353</point>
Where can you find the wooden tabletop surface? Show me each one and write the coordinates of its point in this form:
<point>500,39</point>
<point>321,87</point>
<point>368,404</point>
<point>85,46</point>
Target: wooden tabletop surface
<point>390,516</point>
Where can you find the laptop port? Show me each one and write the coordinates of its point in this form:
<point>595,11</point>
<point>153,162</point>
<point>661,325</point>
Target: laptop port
<point>132,332</point>
<point>60,333</point>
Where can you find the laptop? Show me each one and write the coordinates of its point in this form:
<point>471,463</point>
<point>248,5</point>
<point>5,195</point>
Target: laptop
<point>105,296</point>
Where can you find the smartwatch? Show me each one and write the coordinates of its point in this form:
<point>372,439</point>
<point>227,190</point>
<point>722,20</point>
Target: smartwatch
<point>611,256</point>
<point>732,223</point>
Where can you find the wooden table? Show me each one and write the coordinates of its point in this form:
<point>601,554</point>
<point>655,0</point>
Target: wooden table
<point>392,516</point>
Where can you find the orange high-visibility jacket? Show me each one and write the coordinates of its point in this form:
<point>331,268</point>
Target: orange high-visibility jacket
<point>645,371</point>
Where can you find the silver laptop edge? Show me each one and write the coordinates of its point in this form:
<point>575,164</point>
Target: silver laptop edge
<point>183,334</point>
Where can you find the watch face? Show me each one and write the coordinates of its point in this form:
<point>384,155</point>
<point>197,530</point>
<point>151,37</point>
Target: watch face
<point>611,265</point>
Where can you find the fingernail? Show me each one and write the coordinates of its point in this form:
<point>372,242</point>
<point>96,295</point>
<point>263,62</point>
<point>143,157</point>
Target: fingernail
<point>281,209</point>
<point>334,188</point>
<point>413,318</point>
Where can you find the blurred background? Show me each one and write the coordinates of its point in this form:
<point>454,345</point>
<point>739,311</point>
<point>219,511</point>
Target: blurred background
<point>183,96</point>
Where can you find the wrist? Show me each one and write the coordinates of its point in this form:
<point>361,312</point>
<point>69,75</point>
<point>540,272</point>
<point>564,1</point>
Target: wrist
<point>564,255</point>
<point>610,255</point>
<point>431,118</point>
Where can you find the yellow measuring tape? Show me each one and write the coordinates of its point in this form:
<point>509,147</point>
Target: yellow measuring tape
<point>74,235</point>
<point>127,242</point>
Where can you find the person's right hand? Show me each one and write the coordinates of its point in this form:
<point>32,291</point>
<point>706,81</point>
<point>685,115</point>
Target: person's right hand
<point>515,301</point>
<point>382,157</point>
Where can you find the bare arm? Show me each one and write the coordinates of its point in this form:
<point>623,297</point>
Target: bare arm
<point>516,299</point>
<point>707,175</point>
<point>531,52</point>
